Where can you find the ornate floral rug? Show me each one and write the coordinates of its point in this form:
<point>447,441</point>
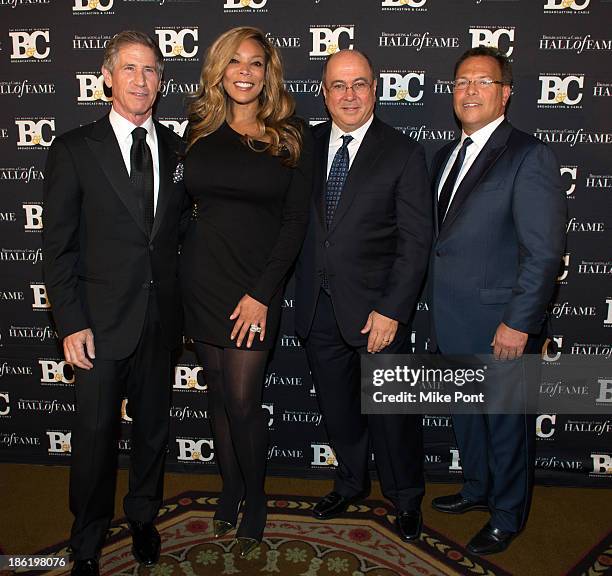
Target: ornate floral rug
<point>362,543</point>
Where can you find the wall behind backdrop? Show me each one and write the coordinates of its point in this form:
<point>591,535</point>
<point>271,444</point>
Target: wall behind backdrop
<point>50,82</point>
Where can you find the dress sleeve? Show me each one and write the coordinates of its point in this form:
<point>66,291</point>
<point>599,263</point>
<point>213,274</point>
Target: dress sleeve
<point>293,226</point>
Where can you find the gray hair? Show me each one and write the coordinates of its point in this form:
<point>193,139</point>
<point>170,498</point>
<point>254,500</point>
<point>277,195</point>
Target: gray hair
<point>126,37</point>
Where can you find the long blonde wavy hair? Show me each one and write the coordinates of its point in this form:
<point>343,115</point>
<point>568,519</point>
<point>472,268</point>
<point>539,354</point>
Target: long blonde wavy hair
<point>208,110</point>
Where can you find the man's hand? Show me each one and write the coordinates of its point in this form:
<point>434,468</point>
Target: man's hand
<point>508,343</point>
<point>382,331</point>
<point>75,347</point>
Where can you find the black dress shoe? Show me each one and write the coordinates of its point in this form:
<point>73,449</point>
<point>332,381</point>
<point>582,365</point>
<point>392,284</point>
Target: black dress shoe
<point>456,504</point>
<point>332,506</point>
<point>490,541</point>
<point>87,567</point>
<point>146,543</point>
<point>408,524</point>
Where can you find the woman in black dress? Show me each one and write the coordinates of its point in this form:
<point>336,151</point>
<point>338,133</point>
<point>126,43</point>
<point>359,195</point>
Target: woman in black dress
<point>248,170</point>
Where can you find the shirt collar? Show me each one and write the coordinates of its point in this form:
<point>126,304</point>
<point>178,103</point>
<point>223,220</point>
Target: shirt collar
<point>123,127</point>
<point>480,137</point>
<point>337,133</point>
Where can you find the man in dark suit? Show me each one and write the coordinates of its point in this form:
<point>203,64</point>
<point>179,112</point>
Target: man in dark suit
<point>500,234</point>
<point>357,283</point>
<point>113,201</point>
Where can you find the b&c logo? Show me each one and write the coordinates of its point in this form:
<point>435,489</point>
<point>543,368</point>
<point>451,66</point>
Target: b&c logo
<point>326,41</point>
<point>455,465</point>
<point>602,463</point>
<point>30,44</point>
<point>176,125</point>
<point>408,3</point>
<point>33,217</point>
<point>545,425</point>
<point>564,270</point>
<point>323,455</point>
<point>35,132</point>
<point>572,171</point>
<point>40,298</point>
<point>186,378</point>
<point>551,352</point>
<point>173,43</point>
<point>500,38</point>
<point>195,450</point>
<point>55,371</point>
<point>565,4</point>
<point>240,4</point>
<point>608,320</point>
<point>5,399</point>
<point>270,409</point>
<point>91,88</point>
<point>92,5</point>
<point>557,90</point>
<point>402,87</point>
<point>605,391</point>
<point>59,442</point>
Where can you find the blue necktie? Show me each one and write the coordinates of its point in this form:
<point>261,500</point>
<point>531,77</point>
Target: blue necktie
<point>335,181</point>
<point>449,184</point>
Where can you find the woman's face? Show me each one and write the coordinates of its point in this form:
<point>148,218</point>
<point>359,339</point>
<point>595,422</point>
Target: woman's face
<point>243,79</point>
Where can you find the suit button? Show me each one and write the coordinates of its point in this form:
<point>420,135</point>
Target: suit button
<point>326,244</point>
<point>151,247</point>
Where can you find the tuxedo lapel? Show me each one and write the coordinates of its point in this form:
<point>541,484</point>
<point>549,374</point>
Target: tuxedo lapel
<point>103,143</point>
<point>493,149</point>
<point>361,169</point>
<point>320,175</point>
<point>166,185</point>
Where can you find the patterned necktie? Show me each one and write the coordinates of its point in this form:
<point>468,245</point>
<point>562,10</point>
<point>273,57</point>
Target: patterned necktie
<point>449,184</point>
<point>335,181</point>
<point>141,174</point>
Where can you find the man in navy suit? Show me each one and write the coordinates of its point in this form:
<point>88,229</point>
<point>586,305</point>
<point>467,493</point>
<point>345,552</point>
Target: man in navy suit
<point>358,280</point>
<point>500,234</point>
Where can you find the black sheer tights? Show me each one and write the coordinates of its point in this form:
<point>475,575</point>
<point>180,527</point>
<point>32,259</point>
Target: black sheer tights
<point>240,429</point>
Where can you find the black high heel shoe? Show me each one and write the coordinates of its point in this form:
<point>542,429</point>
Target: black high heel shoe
<point>222,527</point>
<point>251,529</point>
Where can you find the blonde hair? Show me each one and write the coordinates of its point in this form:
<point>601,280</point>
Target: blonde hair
<point>208,110</point>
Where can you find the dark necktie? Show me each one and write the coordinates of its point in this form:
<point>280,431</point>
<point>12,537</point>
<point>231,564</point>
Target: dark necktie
<point>141,174</point>
<point>449,184</point>
<point>335,181</point>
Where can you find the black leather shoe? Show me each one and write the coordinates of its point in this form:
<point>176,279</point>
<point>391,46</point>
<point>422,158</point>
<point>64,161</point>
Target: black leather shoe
<point>146,543</point>
<point>456,504</point>
<point>332,506</point>
<point>87,567</point>
<point>409,524</point>
<point>490,541</point>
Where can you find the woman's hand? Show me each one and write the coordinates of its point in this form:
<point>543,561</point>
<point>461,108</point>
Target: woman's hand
<point>249,313</point>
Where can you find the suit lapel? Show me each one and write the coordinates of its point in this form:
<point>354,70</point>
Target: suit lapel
<point>166,167</point>
<point>493,149</point>
<point>369,151</point>
<point>320,175</point>
<point>103,143</point>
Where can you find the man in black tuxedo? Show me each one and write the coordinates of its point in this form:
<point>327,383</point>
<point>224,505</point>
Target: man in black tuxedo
<point>500,235</point>
<point>357,283</point>
<point>113,201</point>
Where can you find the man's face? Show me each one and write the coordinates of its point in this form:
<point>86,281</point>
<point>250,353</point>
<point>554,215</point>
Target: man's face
<point>476,106</point>
<point>350,108</point>
<point>134,81</point>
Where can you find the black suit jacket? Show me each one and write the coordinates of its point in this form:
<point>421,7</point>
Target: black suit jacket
<point>99,263</point>
<point>498,251</point>
<point>376,249</point>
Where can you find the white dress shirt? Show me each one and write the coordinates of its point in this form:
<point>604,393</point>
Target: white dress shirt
<point>123,132</point>
<point>335,142</point>
<point>479,139</point>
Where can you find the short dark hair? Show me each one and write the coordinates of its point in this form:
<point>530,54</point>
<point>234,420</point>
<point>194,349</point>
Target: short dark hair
<point>501,59</point>
<point>126,37</point>
<point>365,56</point>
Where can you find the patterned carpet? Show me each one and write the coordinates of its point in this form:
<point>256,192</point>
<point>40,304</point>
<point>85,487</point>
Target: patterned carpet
<point>362,543</point>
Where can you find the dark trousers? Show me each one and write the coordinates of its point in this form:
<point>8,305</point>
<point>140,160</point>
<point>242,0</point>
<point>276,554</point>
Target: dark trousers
<point>145,377</point>
<point>396,439</point>
<point>498,458</point>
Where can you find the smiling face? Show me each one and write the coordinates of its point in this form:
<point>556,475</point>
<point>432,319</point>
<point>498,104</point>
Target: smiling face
<point>135,82</point>
<point>477,106</point>
<point>349,110</point>
<point>244,76</point>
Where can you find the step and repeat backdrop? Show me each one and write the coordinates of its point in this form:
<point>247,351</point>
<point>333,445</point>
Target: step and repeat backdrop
<point>50,82</point>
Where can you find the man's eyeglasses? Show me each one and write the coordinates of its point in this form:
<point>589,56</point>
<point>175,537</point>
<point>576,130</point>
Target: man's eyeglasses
<point>463,83</point>
<point>360,88</point>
